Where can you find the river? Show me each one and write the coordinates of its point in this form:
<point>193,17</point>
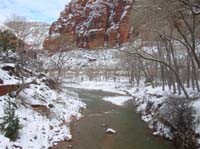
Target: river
<point>89,131</point>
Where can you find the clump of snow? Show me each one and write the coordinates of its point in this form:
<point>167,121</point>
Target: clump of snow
<point>118,100</point>
<point>111,131</point>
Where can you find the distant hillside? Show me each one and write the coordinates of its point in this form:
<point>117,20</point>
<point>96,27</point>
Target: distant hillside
<point>38,31</point>
<point>32,33</point>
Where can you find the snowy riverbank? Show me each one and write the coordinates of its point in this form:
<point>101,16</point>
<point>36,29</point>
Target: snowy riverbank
<point>150,102</point>
<point>44,114</point>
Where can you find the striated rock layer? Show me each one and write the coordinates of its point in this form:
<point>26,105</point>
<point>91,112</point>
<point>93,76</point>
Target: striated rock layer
<point>91,24</point>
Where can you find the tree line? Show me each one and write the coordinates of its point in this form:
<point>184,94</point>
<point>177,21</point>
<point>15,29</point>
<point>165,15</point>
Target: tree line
<point>166,45</point>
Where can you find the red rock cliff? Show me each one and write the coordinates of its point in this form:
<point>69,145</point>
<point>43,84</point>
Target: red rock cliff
<point>91,24</point>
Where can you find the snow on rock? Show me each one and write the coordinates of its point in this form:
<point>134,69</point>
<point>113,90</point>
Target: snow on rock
<point>7,79</point>
<point>44,114</point>
<point>118,100</point>
<point>37,32</point>
<point>111,131</point>
<point>82,20</point>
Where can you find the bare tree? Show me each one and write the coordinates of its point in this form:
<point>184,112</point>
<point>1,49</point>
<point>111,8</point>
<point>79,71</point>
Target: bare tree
<point>173,28</point>
<point>59,66</point>
<point>19,26</point>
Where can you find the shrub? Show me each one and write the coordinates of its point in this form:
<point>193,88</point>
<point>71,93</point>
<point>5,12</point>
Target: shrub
<point>10,125</point>
<point>180,115</point>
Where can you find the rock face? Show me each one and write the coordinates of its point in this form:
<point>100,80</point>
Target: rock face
<point>91,24</point>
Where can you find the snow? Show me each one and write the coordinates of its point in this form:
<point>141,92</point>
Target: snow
<point>118,100</point>
<point>42,126</point>
<point>3,27</point>
<point>109,86</point>
<point>37,32</point>
<point>96,9</point>
<point>78,58</point>
<point>111,131</point>
<point>7,79</point>
<point>196,105</point>
<point>149,101</point>
<point>44,130</point>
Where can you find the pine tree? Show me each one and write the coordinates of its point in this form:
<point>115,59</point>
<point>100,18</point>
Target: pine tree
<point>10,125</point>
<point>8,41</point>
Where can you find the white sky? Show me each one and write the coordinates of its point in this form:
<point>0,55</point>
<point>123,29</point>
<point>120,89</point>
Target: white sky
<point>34,10</point>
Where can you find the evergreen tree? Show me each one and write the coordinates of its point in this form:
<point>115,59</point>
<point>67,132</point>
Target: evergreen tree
<point>8,41</point>
<point>10,125</point>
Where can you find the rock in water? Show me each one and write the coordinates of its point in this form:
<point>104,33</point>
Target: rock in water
<point>111,131</point>
<point>103,125</point>
<point>91,24</point>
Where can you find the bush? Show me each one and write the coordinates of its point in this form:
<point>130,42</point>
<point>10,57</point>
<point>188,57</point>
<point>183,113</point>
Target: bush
<point>10,125</point>
<point>180,115</point>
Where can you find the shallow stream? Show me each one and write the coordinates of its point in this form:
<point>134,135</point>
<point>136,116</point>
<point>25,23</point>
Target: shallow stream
<point>89,131</point>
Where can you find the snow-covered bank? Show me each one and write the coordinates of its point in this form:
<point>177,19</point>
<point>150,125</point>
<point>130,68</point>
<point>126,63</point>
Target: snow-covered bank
<point>152,104</point>
<point>149,102</point>
<point>44,113</point>
<point>118,100</point>
<point>109,86</point>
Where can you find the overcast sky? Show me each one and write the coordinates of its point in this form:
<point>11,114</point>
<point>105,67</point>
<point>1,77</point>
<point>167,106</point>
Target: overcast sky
<point>34,10</point>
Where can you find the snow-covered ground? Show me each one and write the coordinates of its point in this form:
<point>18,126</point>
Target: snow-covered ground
<point>110,86</point>
<point>86,58</point>
<point>118,100</point>
<point>44,114</point>
<point>8,79</point>
<point>42,129</point>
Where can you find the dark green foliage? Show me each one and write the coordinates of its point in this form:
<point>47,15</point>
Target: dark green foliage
<point>8,40</point>
<point>10,125</point>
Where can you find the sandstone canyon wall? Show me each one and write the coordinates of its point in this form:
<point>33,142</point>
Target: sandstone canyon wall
<point>91,24</point>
